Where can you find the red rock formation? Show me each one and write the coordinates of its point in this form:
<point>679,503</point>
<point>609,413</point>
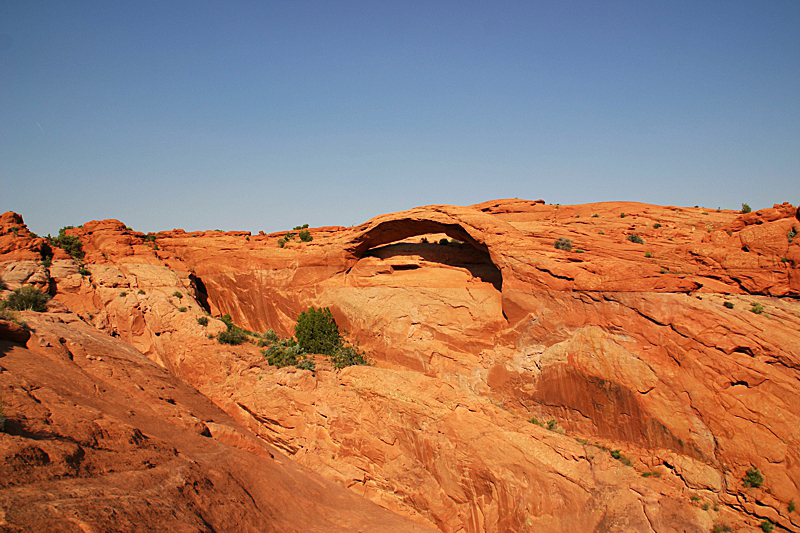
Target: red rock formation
<point>624,345</point>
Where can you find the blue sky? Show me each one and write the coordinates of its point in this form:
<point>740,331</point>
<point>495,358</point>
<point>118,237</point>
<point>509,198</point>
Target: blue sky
<point>266,115</point>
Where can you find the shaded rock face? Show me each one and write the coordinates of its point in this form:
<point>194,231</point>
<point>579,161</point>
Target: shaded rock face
<point>676,350</point>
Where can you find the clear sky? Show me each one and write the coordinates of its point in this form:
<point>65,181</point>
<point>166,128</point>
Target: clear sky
<point>262,115</point>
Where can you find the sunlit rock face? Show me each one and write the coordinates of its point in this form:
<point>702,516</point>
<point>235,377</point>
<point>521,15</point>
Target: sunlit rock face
<point>665,335</point>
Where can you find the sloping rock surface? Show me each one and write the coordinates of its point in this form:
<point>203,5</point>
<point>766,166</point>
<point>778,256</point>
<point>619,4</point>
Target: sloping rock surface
<point>658,355</point>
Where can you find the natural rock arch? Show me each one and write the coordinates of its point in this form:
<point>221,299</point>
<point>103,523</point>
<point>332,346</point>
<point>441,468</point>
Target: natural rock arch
<point>391,231</point>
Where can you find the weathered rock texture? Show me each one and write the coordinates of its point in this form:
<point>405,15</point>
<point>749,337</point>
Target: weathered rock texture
<point>651,348</point>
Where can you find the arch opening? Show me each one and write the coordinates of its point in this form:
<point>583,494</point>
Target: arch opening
<point>409,244</point>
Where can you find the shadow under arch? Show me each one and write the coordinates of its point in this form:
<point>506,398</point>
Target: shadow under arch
<point>472,254</point>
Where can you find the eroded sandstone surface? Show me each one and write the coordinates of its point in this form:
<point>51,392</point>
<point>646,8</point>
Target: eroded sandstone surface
<point>646,347</point>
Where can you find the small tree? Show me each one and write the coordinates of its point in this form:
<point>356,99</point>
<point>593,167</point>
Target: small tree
<point>27,299</point>
<point>305,236</point>
<point>746,208</point>
<point>316,331</point>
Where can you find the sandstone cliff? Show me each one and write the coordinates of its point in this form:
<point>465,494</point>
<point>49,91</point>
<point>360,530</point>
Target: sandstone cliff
<point>640,340</point>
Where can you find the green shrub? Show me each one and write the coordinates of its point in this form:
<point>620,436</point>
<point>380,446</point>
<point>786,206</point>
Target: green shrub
<point>150,238</point>
<point>348,355</point>
<point>792,506</point>
<point>536,421</point>
<point>656,225</point>
<point>182,309</point>
<point>595,216</point>
<point>69,243</point>
<point>562,243</point>
<point>721,528</point>
<point>27,299</point>
<point>123,294</point>
<point>791,234</point>
<point>177,294</point>
<point>579,251</point>
<point>47,261</point>
<point>635,238</point>
<point>203,320</point>
<point>284,352</point>
<point>233,336</point>
<point>305,236</point>
<point>83,271</point>
<point>648,254</point>
<point>551,424</point>
<point>304,226</point>
<point>11,316</point>
<point>651,474</point>
<point>767,526</point>
<point>622,215</point>
<point>227,320</point>
<point>306,364</point>
<point>757,308</point>
<point>316,331</point>
<point>281,242</point>
<point>616,454</point>
<point>140,291</point>
<point>729,305</point>
<point>753,478</point>
<point>746,208</point>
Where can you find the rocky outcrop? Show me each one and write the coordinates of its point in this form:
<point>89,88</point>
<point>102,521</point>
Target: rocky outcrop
<point>665,335</point>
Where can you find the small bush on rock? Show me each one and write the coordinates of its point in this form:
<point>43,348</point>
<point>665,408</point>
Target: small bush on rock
<point>69,243</point>
<point>746,208</point>
<point>305,236</point>
<point>27,299</point>
<point>348,355</point>
<point>562,243</point>
<point>203,320</point>
<point>753,478</point>
<point>635,238</point>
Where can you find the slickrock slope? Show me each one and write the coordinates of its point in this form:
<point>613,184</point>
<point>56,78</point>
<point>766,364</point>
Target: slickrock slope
<point>645,345</point>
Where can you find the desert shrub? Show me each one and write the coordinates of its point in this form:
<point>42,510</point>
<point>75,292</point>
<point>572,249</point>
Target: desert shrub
<point>562,243</point>
<point>316,331</point>
<point>69,243</point>
<point>306,364</point>
<point>616,454</point>
<point>596,215</point>
<point>551,424</point>
<point>11,316</point>
<point>791,234</point>
<point>281,242</point>
<point>757,308</point>
<point>656,225</point>
<point>622,215</point>
<point>140,291</point>
<point>150,238</point>
<point>536,421</point>
<point>47,261</point>
<point>305,236</point>
<point>753,478</point>
<point>635,238</point>
<point>348,355</point>
<point>177,294</point>
<point>651,474</point>
<point>792,506</point>
<point>83,271</point>
<point>284,352</point>
<point>721,528</point>
<point>123,294</point>
<point>182,309</point>
<point>232,336</point>
<point>767,526</point>
<point>648,254</point>
<point>746,208</point>
<point>3,285</point>
<point>27,299</point>
<point>304,226</point>
<point>729,305</point>
<point>202,320</point>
